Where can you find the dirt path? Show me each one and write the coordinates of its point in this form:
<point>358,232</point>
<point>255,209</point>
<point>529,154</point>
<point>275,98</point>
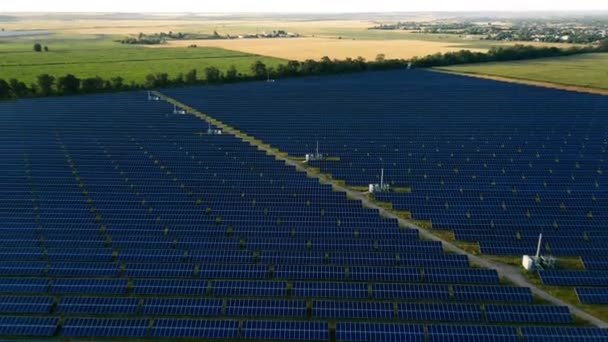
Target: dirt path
<point>527,82</point>
<point>510,273</point>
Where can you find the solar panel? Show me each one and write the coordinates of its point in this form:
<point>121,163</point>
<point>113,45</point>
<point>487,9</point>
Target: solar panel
<point>329,290</point>
<point>194,328</point>
<point>465,333</point>
<point>182,306</point>
<point>233,271</point>
<point>528,313</point>
<point>411,291</point>
<point>23,285</point>
<point>22,268</point>
<point>173,270</point>
<point>331,309</point>
<point>480,293</point>
<point>472,275</point>
<point>28,326</point>
<point>249,288</point>
<point>186,287</point>
<point>286,330</point>
<point>105,327</point>
<point>574,278</point>
<point>310,272</point>
<point>397,274</point>
<point>26,304</point>
<point>559,334</point>
<point>89,286</point>
<point>380,332</point>
<point>450,312</point>
<point>265,308</point>
<point>98,305</point>
<point>84,269</point>
<point>592,295</point>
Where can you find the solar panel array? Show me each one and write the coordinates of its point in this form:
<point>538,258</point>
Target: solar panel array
<point>120,219</point>
<point>497,163</point>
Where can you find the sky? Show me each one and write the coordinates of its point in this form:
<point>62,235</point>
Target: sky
<point>297,6</point>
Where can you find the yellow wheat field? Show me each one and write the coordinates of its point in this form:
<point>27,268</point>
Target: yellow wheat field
<point>315,48</point>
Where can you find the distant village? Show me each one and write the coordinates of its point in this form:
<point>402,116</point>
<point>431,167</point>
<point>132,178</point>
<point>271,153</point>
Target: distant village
<point>577,30</point>
<point>162,37</point>
<point>271,34</point>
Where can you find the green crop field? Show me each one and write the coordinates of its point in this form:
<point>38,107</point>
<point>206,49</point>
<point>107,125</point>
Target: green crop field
<point>590,70</point>
<point>105,58</point>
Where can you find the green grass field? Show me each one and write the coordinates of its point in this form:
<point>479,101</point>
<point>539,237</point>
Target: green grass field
<point>589,70</point>
<point>105,58</point>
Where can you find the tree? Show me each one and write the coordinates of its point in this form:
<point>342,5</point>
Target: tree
<point>150,81</point>
<point>380,58</point>
<point>604,45</point>
<point>191,76</point>
<point>19,89</point>
<point>37,47</point>
<point>213,74</point>
<point>232,74</point>
<point>45,84</point>
<point>92,84</point>
<point>162,79</point>
<point>259,70</point>
<point>46,48</point>
<point>5,90</point>
<point>117,82</point>
<point>68,84</point>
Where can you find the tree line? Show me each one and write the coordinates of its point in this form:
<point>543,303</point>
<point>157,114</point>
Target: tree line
<point>69,84</point>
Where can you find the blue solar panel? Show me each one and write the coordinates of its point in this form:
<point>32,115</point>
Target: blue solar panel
<point>482,276</point>
<point>186,287</point>
<point>234,288</point>
<point>22,268</point>
<point>84,269</point>
<point>160,270</point>
<point>329,290</point>
<point>98,305</point>
<point>264,307</point>
<point>379,332</point>
<point>411,291</point>
<point>310,272</point>
<point>592,295</point>
<point>466,333</point>
<point>327,309</point>
<point>563,334</point>
<point>28,326</point>
<point>480,293</point>
<point>574,278</point>
<point>105,327</point>
<point>22,304</point>
<point>397,274</point>
<point>286,330</point>
<point>195,328</point>
<point>233,271</point>
<point>450,312</point>
<point>528,313</point>
<point>23,285</point>
<point>89,286</point>
<point>182,306</point>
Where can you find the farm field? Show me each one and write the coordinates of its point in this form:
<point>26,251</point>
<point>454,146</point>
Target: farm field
<point>151,228</point>
<point>132,63</point>
<point>590,70</point>
<point>314,48</point>
<point>539,169</point>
